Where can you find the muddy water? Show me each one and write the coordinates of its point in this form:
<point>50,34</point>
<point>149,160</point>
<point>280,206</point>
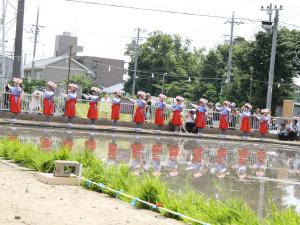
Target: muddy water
<point>218,169</point>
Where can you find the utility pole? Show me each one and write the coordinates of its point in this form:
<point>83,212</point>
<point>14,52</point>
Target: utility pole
<point>273,53</point>
<point>36,32</point>
<point>229,64</point>
<point>18,39</point>
<point>136,46</point>
<point>3,75</point>
<point>69,67</point>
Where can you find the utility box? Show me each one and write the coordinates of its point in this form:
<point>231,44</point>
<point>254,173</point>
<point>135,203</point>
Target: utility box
<point>288,108</point>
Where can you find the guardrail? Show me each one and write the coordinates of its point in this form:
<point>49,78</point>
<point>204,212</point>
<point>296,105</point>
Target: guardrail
<point>34,105</point>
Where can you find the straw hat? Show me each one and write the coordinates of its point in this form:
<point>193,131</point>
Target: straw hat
<point>141,93</point>
<point>118,92</point>
<point>96,89</point>
<point>52,84</point>
<point>72,85</point>
<point>17,80</point>
<point>265,110</point>
<point>248,105</point>
<point>203,100</point>
<point>179,98</point>
<point>162,96</point>
<point>226,103</point>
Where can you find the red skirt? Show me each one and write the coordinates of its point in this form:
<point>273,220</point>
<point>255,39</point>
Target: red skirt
<point>245,125</point>
<point>15,104</point>
<point>223,122</point>
<point>70,108</point>
<point>90,145</point>
<point>137,149</point>
<point>48,109</point>
<point>93,111</point>
<point>156,151</point>
<point>263,127</point>
<point>159,117</point>
<point>139,116</point>
<point>45,143</point>
<point>176,119</point>
<point>115,111</point>
<point>197,155</point>
<point>200,120</point>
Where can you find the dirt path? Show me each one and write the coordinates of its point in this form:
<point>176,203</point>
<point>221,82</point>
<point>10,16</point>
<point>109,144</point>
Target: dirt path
<point>24,200</point>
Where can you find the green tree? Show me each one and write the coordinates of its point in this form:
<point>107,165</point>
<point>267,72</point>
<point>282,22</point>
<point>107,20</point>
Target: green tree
<point>31,85</point>
<point>84,82</point>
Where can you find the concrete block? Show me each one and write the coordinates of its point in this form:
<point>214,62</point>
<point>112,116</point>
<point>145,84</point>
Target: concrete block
<point>49,178</point>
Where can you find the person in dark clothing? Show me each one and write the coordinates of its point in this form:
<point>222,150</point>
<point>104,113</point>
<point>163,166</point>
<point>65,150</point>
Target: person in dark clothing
<point>6,98</point>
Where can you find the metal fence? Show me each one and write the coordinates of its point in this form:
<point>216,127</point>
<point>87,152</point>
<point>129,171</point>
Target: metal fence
<point>33,105</point>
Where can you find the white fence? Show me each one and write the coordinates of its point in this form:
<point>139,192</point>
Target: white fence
<point>33,105</point>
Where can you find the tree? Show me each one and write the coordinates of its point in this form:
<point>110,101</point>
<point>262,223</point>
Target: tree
<point>84,82</point>
<point>31,85</point>
<point>165,54</point>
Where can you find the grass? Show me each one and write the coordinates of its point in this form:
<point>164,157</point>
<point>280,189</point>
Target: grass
<point>146,187</point>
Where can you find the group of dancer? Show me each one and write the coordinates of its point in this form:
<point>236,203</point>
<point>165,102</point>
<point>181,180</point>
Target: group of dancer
<point>139,116</point>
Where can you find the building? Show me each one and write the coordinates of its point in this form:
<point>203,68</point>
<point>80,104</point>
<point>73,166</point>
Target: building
<point>63,43</point>
<point>107,72</point>
<point>8,66</point>
<point>56,69</point>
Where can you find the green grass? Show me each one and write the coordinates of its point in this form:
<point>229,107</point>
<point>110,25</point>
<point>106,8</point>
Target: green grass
<point>146,187</point>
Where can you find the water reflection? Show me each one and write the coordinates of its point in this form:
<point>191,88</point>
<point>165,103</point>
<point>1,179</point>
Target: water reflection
<point>218,169</point>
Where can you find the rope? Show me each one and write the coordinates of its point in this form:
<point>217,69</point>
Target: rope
<point>135,200</point>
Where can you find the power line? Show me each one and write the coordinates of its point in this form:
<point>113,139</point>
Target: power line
<point>159,10</point>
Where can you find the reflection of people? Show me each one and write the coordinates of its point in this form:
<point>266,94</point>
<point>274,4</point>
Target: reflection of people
<point>68,142</point>
<point>136,162</point>
<point>174,152</point>
<point>221,162</point>
<point>46,143</point>
<point>156,154</point>
<point>90,144</point>
<point>15,97</point>
<point>241,168</point>
<point>93,109</point>
<point>112,151</point>
<point>197,162</point>
<point>260,167</point>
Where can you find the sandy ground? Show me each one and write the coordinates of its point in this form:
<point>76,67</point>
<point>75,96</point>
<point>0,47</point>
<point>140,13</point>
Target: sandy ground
<point>24,200</point>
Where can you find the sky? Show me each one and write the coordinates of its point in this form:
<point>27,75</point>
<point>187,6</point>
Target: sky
<point>104,31</point>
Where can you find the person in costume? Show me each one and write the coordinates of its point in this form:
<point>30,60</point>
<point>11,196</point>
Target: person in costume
<point>156,155</point>
<point>93,109</point>
<point>246,115</point>
<point>16,93</point>
<point>264,121</point>
<point>116,106</point>
<point>139,116</point>
<point>177,109</point>
<point>200,121</point>
<point>160,111</point>
<point>70,110</point>
<point>224,114</point>
<point>48,102</point>
<point>148,108</point>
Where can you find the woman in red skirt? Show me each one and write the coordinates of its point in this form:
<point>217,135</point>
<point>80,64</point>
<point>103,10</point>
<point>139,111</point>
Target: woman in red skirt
<point>160,111</point>
<point>139,116</point>
<point>15,97</point>
<point>48,103</point>
<point>246,115</point>
<point>224,114</point>
<point>200,121</point>
<point>264,121</point>
<point>70,110</point>
<point>93,109</point>
<point>115,107</point>
<point>177,109</point>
